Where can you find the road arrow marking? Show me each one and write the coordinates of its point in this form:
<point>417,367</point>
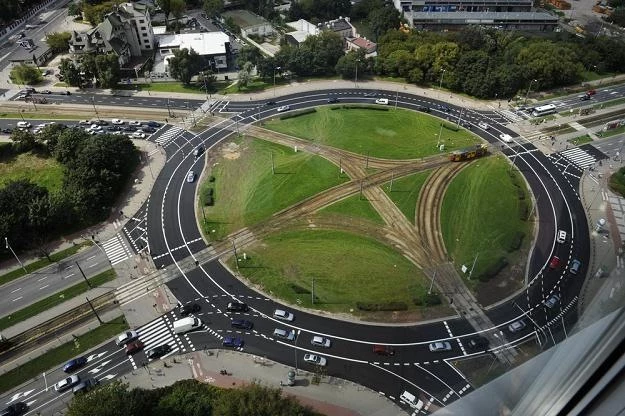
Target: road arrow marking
<point>109,377</point>
<point>96,356</point>
<point>19,395</point>
<point>99,367</point>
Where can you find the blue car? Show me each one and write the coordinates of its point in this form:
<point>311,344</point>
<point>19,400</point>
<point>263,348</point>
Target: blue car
<point>153,124</point>
<point>74,364</point>
<point>233,342</point>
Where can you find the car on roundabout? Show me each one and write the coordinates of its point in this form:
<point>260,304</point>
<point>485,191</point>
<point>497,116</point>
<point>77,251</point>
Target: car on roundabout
<point>237,307</point>
<point>483,125</point>
<point>234,342</point>
<point>66,383</point>
<point>189,308</point>
<point>319,341</point>
<point>315,359</point>
<point>381,101</point>
<point>517,326</point>
<point>283,108</point>
<point>505,137</point>
<point>283,315</point>
<point>191,177</point>
<point>554,263</point>
<point>552,301</point>
<point>439,346</point>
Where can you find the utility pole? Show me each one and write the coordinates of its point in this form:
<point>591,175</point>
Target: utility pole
<point>273,167</point>
<point>367,161</point>
<point>6,241</point>
<point>432,283</point>
<point>392,177</point>
<point>83,276</point>
<point>95,109</point>
<point>312,293</point>
<point>236,257</point>
<point>94,311</point>
<point>340,167</point>
<point>472,267</point>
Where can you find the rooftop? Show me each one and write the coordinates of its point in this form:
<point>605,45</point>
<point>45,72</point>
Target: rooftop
<point>209,43</point>
<point>485,17</point>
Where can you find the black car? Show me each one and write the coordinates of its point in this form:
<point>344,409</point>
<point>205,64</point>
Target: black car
<point>153,124</point>
<point>189,308</point>
<point>478,343</point>
<point>332,100</point>
<point>102,123</point>
<point>15,409</point>
<point>444,108</point>
<point>241,324</point>
<point>237,307</point>
<point>148,129</point>
<point>158,352</point>
<point>424,109</point>
<point>268,103</point>
<point>85,385</point>
<point>129,128</point>
<point>113,128</point>
<point>7,130</point>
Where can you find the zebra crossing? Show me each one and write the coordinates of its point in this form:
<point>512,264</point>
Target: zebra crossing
<point>159,332</point>
<point>116,249</point>
<point>510,115</point>
<point>579,157</point>
<point>169,135</point>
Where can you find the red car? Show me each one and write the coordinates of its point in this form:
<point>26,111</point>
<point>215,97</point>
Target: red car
<point>134,347</point>
<point>591,92</point>
<point>554,263</point>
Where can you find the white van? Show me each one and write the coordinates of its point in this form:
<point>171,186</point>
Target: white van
<point>23,124</point>
<point>561,237</point>
<point>382,101</point>
<point>411,400</point>
<point>186,324</point>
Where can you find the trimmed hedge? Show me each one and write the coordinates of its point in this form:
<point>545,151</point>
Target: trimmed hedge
<point>428,300</point>
<point>298,113</point>
<point>299,290</point>
<point>451,127</point>
<point>362,107</point>
<point>515,241</point>
<point>493,269</point>
<point>387,306</point>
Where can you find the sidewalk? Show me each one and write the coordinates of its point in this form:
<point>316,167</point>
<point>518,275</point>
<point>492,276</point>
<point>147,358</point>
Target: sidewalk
<point>332,397</point>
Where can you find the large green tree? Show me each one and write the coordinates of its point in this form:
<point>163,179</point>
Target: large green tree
<point>70,72</point>
<point>58,41</point>
<point>213,7</point>
<point>26,74</point>
<point>184,65</point>
<point>108,71</point>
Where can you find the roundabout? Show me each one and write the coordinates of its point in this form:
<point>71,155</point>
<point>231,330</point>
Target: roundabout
<point>175,242</point>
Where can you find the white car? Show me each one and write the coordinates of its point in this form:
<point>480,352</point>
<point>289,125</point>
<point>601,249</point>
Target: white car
<point>516,326</point>
<point>95,127</point>
<point>23,124</point>
<point>551,302</point>
<point>382,101</point>
<point>320,341</point>
<point>440,346</point>
<point>483,125</point>
<point>505,137</point>
<point>191,176</point>
<point>117,121</point>
<point>137,135</point>
<point>315,359</point>
<point>283,315</point>
<point>84,122</point>
<point>283,108</point>
<point>134,123</point>
<point>126,338</point>
<point>67,383</point>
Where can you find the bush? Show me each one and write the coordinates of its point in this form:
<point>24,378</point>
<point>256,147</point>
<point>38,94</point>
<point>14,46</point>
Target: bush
<point>524,211</point>
<point>209,201</point>
<point>449,126</point>
<point>617,182</point>
<point>211,179</point>
<point>520,193</point>
<point>299,290</point>
<point>388,306</point>
<point>428,300</point>
<point>298,113</point>
<point>360,107</point>
<point>515,241</point>
<point>7,150</point>
<point>493,269</point>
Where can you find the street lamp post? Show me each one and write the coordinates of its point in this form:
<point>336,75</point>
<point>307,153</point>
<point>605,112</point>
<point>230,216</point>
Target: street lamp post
<point>440,85</point>
<point>6,242</point>
<point>274,79</point>
<point>356,75</point>
<point>94,108</point>
<point>528,91</point>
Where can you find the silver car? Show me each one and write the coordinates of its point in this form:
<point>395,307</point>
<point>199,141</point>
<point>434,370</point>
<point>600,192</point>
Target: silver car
<point>516,326</point>
<point>191,177</point>
<point>440,346</point>
<point>283,315</point>
<point>319,341</point>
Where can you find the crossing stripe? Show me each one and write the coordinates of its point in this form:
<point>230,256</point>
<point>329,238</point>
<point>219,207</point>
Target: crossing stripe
<point>579,157</point>
<point>116,249</point>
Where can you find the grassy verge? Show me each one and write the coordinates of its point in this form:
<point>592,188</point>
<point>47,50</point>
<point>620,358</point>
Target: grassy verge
<point>392,134</point>
<point>353,206</point>
<point>483,214</point>
<point>44,171</point>
<point>56,299</point>
<point>610,103</point>
<point>580,140</point>
<point>36,265</point>
<point>612,132</point>
<point>253,86</point>
<point>406,191</point>
<point>246,191</point>
<point>38,115</point>
<point>61,354</point>
<point>347,269</point>
<point>617,182</point>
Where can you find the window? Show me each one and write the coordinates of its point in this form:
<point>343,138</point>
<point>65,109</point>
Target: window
<point>141,21</point>
<point>145,35</point>
<point>143,28</point>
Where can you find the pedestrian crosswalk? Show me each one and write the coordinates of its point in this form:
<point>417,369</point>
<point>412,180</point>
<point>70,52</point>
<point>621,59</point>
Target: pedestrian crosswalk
<point>116,249</point>
<point>160,332</point>
<point>166,137</point>
<point>579,157</point>
<point>510,115</point>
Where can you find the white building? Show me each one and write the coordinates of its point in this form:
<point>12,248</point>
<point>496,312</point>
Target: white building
<point>213,45</point>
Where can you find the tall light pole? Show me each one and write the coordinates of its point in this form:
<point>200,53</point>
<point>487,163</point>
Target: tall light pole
<point>528,91</point>
<point>356,76</point>
<point>95,109</point>
<point>274,79</point>
<point>440,84</point>
<point>6,241</point>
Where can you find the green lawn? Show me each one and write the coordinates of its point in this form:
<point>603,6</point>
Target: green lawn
<point>351,207</point>
<point>610,103</point>
<point>577,141</point>
<point>56,299</point>
<point>44,171</point>
<point>57,356</point>
<point>393,134</point>
<point>246,191</point>
<point>347,268</point>
<point>613,132</point>
<point>38,264</point>
<point>481,213</point>
<point>38,115</point>
<point>405,193</point>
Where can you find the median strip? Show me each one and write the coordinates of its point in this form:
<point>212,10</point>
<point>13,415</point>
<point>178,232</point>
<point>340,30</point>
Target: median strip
<point>56,299</point>
<point>59,355</point>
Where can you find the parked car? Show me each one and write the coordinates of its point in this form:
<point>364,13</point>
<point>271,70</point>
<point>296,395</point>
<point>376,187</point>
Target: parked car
<point>241,324</point>
<point>237,307</point>
<point>133,347</point>
<point>189,308</point>
<point>554,263</point>
<point>16,409</point>
<point>85,385</point>
<point>117,121</point>
<point>153,124</point>
<point>45,92</point>
<point>283,315</point>
<point>517,326</point>
<point>235,342</point>
<point>551,302</point>
<point>24,125</point>
<point>134,123</point>
<point>74,364</point>
<point>333,100</point>
<point>113,128</point>
<point>102,123</point>
<point>440,346</point>
<point>283,108</point>
<point>129,128</point>
<point>158,352</point>
<point>315,359</point>
<point>67,383</point>
<point>126,337</point>
<point>148,129</point>
<point>137,135</point>
<point>320,341</point>
<point>289,335</point>
<point>191,176</point>
<point>478,343</point>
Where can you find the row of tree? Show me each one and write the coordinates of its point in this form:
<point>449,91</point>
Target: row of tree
<point>13,9</point>
<point>187,398</point>
<point>104,69</point>
<point>96,168</point>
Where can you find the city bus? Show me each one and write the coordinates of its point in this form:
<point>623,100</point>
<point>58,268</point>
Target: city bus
<point>543,110</point>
